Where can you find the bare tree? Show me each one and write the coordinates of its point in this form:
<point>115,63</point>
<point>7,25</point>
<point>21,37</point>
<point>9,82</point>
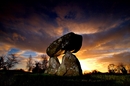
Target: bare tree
<point>30,63</point>
<point>11,61</point>
<point>44,62</point>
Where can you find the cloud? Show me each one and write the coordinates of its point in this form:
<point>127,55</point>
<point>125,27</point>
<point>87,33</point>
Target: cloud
<point>104,43</point>
<point>117,58</point>
<point>4,48</point>
<point>35,31</point>
<point>32,31</point>
<point>99,38</point>
<point>29,27</point>
<point>16,37</point>
<point>23,56</point>
<point>86,21</point>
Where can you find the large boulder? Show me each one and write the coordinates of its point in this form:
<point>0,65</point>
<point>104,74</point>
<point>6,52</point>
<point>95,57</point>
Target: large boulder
<point>53,66</point>
<point>70,42</point>
<point>70,66</point>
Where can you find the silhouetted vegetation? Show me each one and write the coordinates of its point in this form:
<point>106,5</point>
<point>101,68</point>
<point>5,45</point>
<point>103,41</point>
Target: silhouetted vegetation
<point>11,61</point>
<point>95,72</point>
<point>39,67</point>
<point>120,68</point>
<point>44,62</point>
<point>7,62</point>
<point>29,64</point>
<point>1,62</point>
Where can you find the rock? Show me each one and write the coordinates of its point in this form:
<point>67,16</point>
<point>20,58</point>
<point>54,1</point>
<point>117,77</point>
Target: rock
<point>61,70</point>
<point>70,66</point>
<point>53,66</point>
<point>69,42</point>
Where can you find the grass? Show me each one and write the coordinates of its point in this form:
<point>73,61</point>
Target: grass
<point>28,79</point>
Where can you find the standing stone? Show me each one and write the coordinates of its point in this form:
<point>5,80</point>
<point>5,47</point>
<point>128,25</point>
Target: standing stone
<point>69,42</point>
<point>53,66</point>
<point>70,66</point>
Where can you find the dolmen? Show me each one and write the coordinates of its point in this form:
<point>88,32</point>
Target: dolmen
<point>67,44</point>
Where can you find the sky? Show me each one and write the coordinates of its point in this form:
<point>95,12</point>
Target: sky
<point>28,27</point>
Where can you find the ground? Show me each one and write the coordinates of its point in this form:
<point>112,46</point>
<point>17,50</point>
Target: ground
<point>31,79</point>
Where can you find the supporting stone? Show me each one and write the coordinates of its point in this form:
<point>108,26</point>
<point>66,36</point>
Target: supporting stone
<point>70,66</point>
<point>53,66</point>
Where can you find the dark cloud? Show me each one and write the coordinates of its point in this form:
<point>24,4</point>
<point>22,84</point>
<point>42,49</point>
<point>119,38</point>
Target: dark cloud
<point>36,22</point>
<point>107,42</point>
<point>117,58</point>
<point>112,35</point>
<point>23,25</point>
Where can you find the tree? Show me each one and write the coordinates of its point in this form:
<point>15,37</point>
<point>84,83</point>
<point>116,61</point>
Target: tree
<point>7,62</point>
<point>122,68</point>
<point>44,62</point>
<point>29,63</point>
<point>1,62</point>
<point>37,68</point>
<point>128,68</point>
<point>95,72</point>
<point>41,66</point>
<point>111,68</point>
<point>11,61</point>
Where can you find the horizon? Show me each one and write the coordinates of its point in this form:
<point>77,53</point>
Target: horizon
<point>28,28</point>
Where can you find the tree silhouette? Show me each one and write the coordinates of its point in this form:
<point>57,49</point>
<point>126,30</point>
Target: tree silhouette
<point>41,66</point>
<point>122,68</point>
<point>95,72</point>
<point>44,62</point>
<point>1,62</point>
<point>37,68</point>
<point>128,68</point>
<point>111,68</point>
<point>11,61</point>
<point>29,63</point>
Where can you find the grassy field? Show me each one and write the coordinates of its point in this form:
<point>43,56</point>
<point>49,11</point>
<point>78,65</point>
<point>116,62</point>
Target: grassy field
<point>27,79</point>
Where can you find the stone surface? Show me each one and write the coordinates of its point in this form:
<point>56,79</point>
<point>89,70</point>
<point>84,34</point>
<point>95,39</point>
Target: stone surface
<point>53,66</point>
<point>70,66</point>
<point>69,42</point>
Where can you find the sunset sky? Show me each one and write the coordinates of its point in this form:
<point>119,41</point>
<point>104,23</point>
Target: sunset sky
<point>28,28</point>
